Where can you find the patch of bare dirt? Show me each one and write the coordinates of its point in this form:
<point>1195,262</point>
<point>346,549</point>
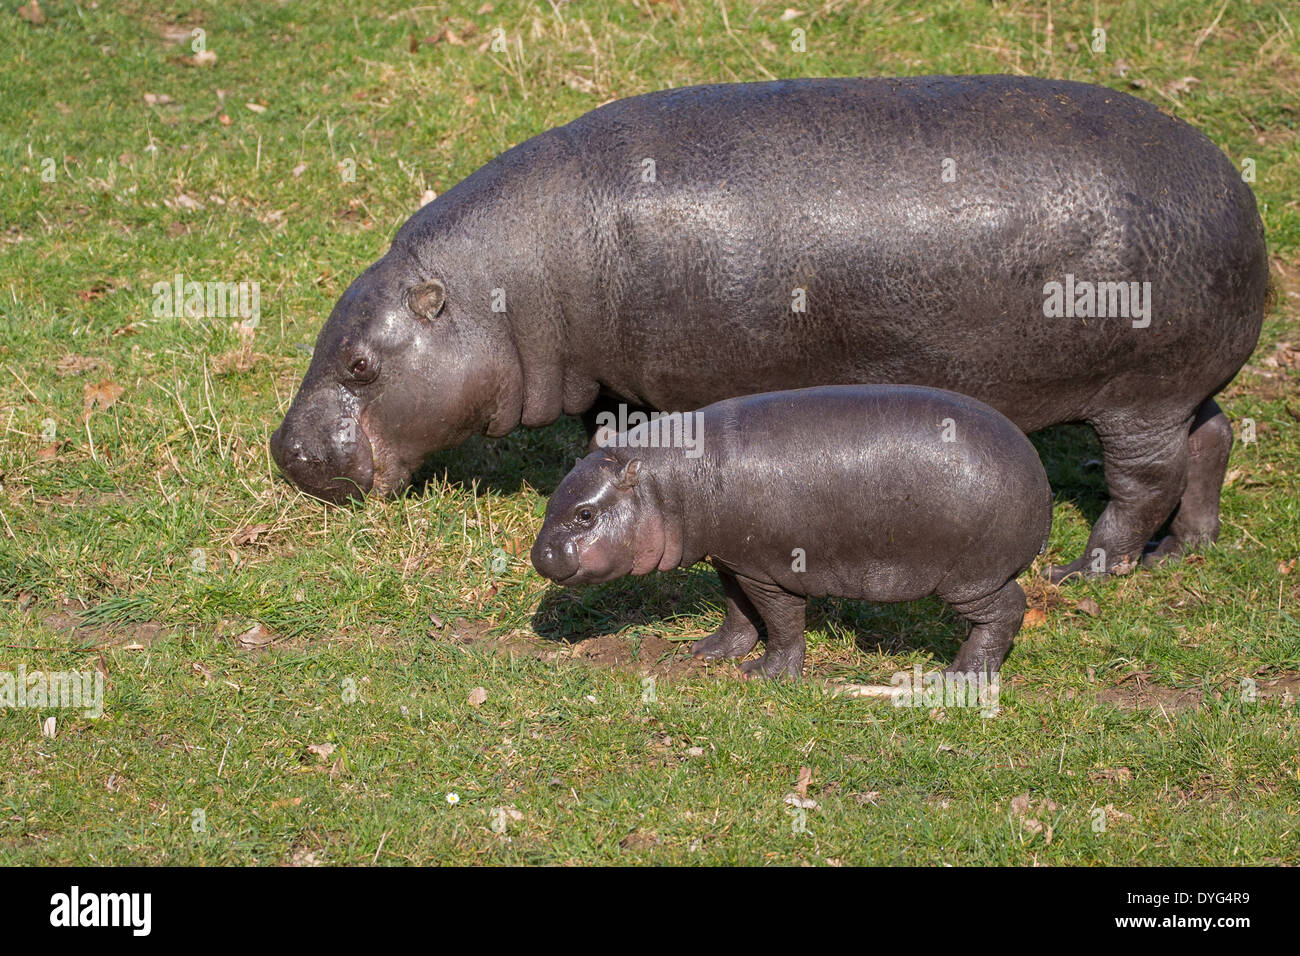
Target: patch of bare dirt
<point>124,636</point>
<point>651,655</point>
<point>1141,695</point>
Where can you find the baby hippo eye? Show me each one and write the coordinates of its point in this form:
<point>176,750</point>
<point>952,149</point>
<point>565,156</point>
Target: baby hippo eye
<point>584,515</point>
<point>359,366</point>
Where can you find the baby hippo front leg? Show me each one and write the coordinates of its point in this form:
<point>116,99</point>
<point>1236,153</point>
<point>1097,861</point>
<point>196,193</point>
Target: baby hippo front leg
<point>739,632</point>
<point>783,613</point>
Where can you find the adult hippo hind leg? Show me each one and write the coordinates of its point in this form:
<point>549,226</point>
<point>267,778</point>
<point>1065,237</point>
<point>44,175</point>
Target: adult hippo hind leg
<point>739,632</point>
<point>783,613</point>
<point>995,620</point>
<point>1197,522</point>
<point>1146,475</point>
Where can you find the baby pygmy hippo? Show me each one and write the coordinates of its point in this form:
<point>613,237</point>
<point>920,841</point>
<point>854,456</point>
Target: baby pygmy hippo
<point>878,492</point>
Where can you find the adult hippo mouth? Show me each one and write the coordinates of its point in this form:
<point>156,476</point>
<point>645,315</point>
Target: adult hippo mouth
<point>335,470</point>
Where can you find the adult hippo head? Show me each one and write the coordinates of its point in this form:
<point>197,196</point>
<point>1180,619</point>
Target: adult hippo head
<point>397,372</point>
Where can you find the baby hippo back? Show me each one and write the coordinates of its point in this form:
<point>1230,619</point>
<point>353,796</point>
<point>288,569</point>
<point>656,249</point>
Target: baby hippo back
<point>877,492</point>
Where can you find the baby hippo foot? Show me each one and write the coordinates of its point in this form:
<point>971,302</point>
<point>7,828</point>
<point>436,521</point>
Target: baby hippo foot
<point>776,664</point>
<point>725,643</point>
<point>739,632</point>
<point>995,619</point>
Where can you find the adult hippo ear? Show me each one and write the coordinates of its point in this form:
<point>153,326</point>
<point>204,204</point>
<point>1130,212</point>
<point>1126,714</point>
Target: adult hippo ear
<point>427,299</point>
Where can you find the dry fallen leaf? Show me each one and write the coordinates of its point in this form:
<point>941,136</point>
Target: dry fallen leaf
<point>102,394</point>
<point>477,696</point>
<point>48,726</point>
<point>323,751</point>
<point>1034,617</point>
<point>256,107</point>
<point>257,636</point>
<point>157,99</point>
<point>32,13</point>
<point>1182,86</point>
<point>805,778</point>
<point>247,535</point>
<point>1023,805</point>
<point>1088,606</point>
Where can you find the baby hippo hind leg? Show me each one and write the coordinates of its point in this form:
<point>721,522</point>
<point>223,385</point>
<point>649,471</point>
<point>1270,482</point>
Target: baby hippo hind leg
<point>1197,521</point>
<point>783,613</point>
<point>995,620</point>
<point>739,632</point>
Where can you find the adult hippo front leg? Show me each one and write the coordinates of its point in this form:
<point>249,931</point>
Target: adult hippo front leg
<point>1146,475</point>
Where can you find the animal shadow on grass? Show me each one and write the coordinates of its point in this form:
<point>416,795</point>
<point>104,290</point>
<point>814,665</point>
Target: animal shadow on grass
<point>539,458</point>
<point>655,603</point>
<point>1071,456</point>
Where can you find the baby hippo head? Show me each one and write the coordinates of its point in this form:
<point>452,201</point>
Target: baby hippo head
<point>601,524</point>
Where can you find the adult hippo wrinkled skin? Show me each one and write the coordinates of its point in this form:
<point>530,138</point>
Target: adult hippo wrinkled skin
<point>878,492</point>
<point>658,250</point>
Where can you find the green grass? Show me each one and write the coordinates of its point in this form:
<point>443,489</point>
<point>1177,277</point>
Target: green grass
<point>1137,708</point>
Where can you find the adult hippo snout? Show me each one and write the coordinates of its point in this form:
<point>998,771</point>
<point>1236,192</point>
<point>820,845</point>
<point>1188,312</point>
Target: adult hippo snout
<point>326,455</point>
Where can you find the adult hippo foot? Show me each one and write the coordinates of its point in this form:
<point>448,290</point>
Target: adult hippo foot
<point>726,643</point>
<point>1079,568</point>
<point>775,665</point>
<point>1172,547</point>
<point>977,661</point>
<point>1085,567</point>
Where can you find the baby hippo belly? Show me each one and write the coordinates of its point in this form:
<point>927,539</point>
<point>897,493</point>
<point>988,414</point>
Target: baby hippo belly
<point>893,554</point>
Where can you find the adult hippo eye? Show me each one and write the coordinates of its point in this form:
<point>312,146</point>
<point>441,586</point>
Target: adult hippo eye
<point>584,515</point>
<point>363,369</point>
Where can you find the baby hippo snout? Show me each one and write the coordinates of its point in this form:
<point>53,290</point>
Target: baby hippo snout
<point>555,560</point>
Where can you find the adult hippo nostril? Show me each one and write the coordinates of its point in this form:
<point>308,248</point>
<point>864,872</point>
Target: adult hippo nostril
<point>334,468</point>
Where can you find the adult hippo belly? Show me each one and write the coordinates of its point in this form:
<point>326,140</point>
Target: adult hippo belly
<point>1060,251</point>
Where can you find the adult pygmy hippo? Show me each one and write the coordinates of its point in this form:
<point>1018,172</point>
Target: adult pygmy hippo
<point>1060,251</point>
<point>879,492</point>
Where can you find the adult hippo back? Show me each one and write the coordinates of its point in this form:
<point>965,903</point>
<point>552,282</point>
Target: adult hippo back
<point>1060,251</point>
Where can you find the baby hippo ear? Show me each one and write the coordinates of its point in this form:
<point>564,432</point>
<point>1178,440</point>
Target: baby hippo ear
<point>631,472</point>
<point>427,299</point>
